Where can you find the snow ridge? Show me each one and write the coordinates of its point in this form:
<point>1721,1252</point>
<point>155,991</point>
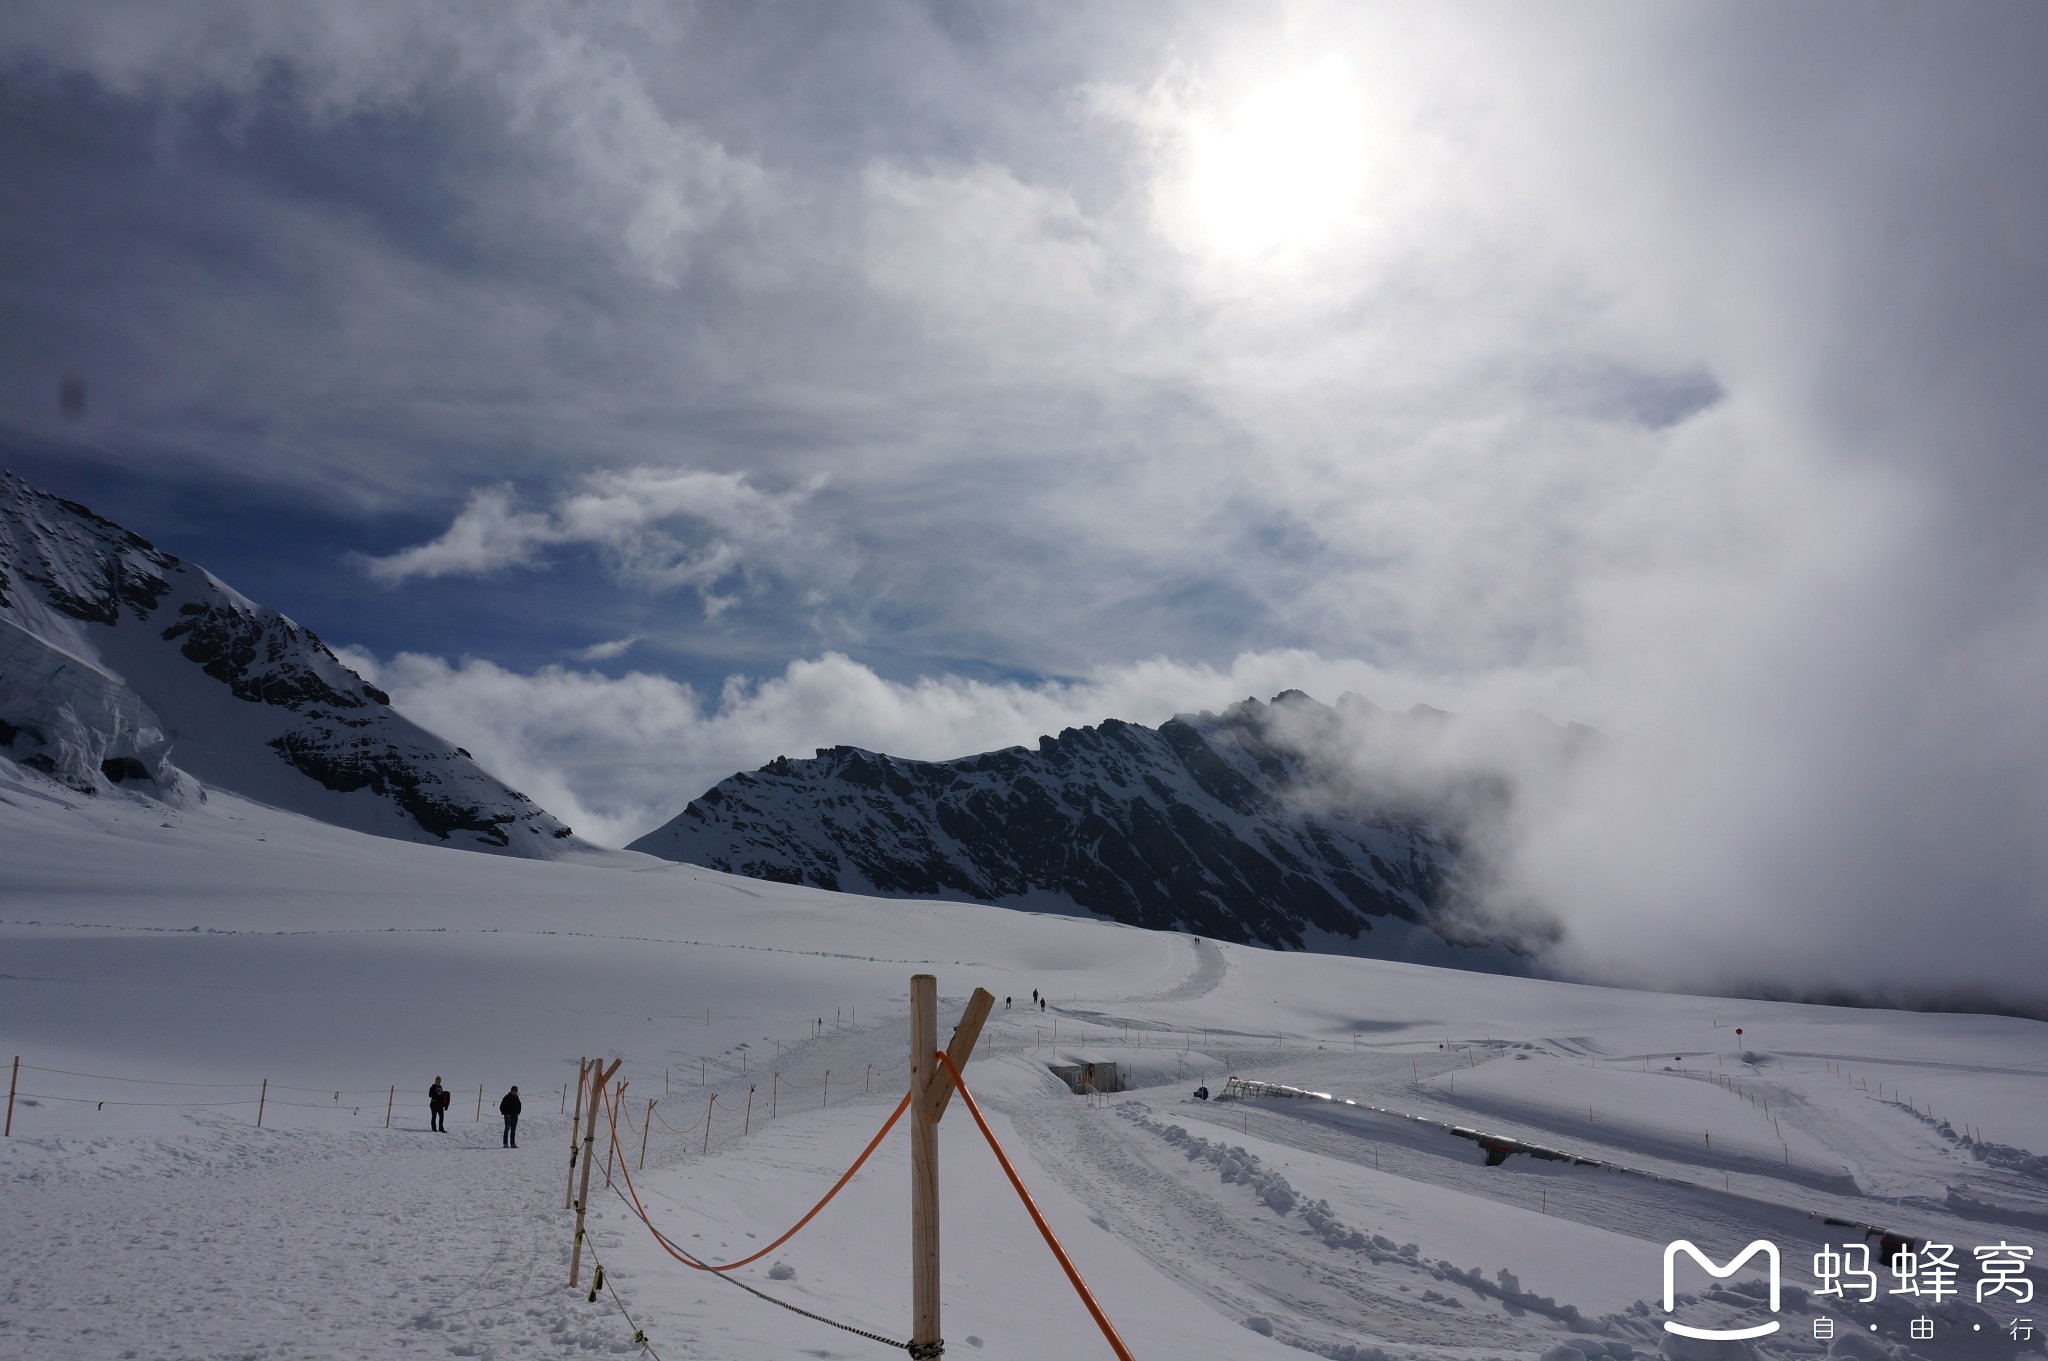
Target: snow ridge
<point>116,656</point>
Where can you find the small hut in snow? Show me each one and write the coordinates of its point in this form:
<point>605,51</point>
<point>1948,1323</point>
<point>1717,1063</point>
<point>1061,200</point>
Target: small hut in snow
<point>1089,1071</point>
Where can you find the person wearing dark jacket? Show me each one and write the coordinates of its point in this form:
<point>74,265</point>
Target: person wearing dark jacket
<point>509,1108</point>
<point>437,1102</point>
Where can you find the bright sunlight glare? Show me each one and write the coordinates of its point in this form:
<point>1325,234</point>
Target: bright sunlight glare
<point>1284,170</point>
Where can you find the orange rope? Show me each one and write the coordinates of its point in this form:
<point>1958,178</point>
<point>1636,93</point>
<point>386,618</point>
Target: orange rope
<point>844,1178</point>
<point>1081,1287</point>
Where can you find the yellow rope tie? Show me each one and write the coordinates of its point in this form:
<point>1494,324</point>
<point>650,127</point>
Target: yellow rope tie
<point>602,1281</point>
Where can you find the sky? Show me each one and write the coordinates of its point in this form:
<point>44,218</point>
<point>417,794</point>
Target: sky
<point>639,392</point>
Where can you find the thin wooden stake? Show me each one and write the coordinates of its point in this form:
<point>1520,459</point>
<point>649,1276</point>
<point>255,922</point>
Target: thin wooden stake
<point>646,1125</point>
<point>12,1083</point>
<point>747,1121</point>
<point>389,1101</point>
<point>708,1107</point>
<point>774,1093</point>
<point>924,1167</point>
<point>598,1076</point>
<point>611,1144</point>
<point>575,1132</point>
<point>479,1104</point>
<point>828,1090</point>
<point>262,1097</point>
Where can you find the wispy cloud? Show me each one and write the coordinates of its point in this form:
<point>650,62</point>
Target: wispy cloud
<point>606,651</point>
<point>639,520</point>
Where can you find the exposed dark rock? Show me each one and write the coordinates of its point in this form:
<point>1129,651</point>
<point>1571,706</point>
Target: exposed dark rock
<point>259,660</point>
<point>1202,824</point>
<point>119,768</point>
<point>392,774</point>
<point>267,683</point>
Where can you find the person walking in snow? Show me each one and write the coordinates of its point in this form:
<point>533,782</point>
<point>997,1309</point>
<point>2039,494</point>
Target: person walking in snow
<point>509,1108</point>
<point>437,1102</point>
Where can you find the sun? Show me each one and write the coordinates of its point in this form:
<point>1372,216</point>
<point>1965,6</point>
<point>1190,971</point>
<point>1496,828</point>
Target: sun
<point>1282,172</point>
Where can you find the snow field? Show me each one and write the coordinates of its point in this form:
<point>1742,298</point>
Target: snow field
<point>324,959</point>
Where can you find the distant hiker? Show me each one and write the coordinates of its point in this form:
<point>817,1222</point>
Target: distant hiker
<point>1007,1001</point>
<point>437,1102</point>
<point>1041,1004</point>
<point>509,1108</point>
<point>1034,994</point>
<point>1201,1093</point>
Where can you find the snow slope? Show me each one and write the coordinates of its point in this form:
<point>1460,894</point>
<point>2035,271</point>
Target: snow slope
<point>123,665</point>
<point>226,943</point>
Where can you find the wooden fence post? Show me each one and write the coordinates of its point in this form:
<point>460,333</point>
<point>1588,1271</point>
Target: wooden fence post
<point>389,1101</point>
<point>12,1082</point>
<point>924,1167</point>
<point>747,1122</point>
<point>828,1090</point>
<point>709,1106</point>
<point>262,1097</point>
<point>612,1143</point>
<point>479,1103</point>
<point>774,1092</point>
<point>598,1074</point>
<point>575,1133</point>
<point>646,1124</point>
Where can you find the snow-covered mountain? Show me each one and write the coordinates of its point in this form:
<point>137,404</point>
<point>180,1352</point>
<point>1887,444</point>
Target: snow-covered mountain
<point>121,665</point>
<point>1234,826</point>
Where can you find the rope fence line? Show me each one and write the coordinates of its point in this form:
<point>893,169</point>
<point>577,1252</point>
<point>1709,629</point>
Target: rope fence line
<point>96,1101</point>
<point>809,1215</point>
<point>165,1082</point>
<point>601,1282</point>
<point>631,1198</point>
<point>360,1098</point>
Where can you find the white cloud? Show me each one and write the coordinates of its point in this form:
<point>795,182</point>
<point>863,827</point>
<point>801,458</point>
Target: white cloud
<point>616,757</point>
<point>632,517</point>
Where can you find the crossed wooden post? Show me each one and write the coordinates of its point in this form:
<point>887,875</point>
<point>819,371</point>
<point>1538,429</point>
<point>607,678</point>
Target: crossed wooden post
<point>599,1075</point>
<point>931,1087</point>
